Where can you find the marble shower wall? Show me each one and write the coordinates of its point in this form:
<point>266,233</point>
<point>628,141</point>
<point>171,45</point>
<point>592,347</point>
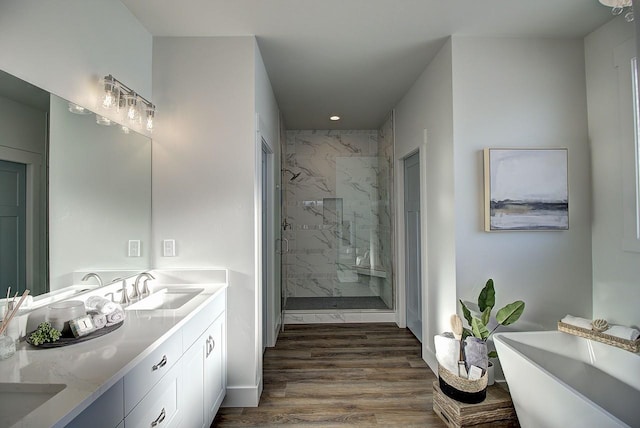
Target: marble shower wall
<point>338,209</point>
<point>385,218</point>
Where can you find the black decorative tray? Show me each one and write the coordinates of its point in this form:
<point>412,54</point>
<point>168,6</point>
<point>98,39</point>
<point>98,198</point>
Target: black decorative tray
<point>65,341</point>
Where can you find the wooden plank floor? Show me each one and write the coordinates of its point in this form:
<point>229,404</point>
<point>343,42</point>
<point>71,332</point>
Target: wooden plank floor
<point>332,375</point>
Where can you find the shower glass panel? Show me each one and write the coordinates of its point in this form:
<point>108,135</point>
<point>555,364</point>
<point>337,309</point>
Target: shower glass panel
<point>337,207</point>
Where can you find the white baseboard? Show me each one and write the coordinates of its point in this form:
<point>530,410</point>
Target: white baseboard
<point>276,330</point>
<point>243,396</point>
<point>429,357</point>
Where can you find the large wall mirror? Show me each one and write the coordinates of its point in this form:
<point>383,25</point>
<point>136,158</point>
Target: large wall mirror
<point>73,193</point>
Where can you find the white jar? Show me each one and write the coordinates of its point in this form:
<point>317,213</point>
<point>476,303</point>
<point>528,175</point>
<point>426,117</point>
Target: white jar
<point>60,313</point>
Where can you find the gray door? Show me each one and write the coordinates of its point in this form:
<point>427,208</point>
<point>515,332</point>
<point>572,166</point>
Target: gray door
<point>13,231</point>
<point>412,244</point>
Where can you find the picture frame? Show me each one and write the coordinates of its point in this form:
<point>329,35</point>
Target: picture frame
<point>526,189</point>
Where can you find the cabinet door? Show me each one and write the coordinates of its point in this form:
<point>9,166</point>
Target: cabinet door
<point>192,399</point>
<point>215,373</point>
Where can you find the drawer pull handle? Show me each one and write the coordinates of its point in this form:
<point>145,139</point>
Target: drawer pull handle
<point>162,363</point>
<point>160,418</point>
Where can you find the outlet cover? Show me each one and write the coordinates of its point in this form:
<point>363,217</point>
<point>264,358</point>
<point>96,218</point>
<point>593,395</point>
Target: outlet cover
<point>169,248</point>
<point>134,248</point>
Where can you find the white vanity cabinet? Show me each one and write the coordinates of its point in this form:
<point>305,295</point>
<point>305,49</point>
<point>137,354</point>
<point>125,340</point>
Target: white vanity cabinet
<point>161,407</point>
<point>106,412</point>
<point>180,383</point>
<point>139,381</point>
<point>215,372</point>
<point>204,371</point>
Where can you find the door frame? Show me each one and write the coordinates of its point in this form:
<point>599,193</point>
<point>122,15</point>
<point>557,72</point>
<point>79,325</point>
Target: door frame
<point>415,155</point>
<point>33,161</point>
<point>400,257</point>
<point>266,293</point>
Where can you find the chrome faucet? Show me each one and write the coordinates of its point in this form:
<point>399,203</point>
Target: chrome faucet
<point>124,298</point>
<point>136,290</point>
<point>93,275</point>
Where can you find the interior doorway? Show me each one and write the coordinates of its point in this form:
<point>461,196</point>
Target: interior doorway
<point>413,269</point>
<point>13,229</point>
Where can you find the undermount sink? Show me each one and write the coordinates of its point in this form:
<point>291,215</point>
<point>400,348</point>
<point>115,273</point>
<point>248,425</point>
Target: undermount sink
<point>17,400</point>
<point>166,298</point>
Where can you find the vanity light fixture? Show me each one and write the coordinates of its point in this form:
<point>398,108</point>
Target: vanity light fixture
<point>116,96</point>
<point>618,7</point>
<point>76,109</point>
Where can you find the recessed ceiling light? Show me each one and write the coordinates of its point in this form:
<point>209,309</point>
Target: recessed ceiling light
<point>335,118</point>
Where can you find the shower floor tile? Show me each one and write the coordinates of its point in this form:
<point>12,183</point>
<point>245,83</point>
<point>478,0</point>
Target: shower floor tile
<point>311,303</point>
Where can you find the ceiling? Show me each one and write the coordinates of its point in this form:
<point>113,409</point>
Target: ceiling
<point>357,58</point>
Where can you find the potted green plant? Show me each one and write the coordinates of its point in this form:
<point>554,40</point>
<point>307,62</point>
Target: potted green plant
<point>486,301</point>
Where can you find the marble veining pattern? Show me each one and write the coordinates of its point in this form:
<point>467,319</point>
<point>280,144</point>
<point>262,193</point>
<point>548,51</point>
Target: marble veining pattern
<point>339,210</point>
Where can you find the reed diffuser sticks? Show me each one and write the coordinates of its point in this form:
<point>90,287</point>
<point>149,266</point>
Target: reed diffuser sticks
<point>7,320</point>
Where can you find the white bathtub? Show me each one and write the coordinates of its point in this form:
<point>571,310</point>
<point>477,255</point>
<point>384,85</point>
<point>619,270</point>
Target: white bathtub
<point>560,380</point>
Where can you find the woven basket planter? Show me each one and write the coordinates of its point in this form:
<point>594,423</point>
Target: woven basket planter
<point>460,389</point>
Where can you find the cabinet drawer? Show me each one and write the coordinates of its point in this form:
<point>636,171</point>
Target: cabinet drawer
<point>159,408</point>
<point>150,370</point>
<point>203,319</point>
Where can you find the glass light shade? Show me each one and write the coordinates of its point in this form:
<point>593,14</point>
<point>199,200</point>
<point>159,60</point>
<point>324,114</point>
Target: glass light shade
<point>150,114</point>
<point>131,108</point>
<point>111,94</point>
<point>101,120</point>
<point>76,109</point>
<point>616,3</point>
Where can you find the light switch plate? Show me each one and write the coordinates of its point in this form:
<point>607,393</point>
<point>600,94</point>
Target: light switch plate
<point>169,248</point>
<point>134,248</point>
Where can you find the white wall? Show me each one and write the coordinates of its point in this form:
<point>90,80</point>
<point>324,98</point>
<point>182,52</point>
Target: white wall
<point>499,92</point>
<point>429,105</point>
<point>515,93</point>
<point>65,46</point>
<point>99,196</point>
<point>615,271</point>
<point>204,179</point>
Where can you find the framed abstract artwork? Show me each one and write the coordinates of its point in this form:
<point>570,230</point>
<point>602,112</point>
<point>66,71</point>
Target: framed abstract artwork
<point>526,189</point>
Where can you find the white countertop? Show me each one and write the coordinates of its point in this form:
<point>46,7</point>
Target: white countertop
<point>90,368</point>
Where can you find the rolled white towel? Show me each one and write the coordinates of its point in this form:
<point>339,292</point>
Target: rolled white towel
<point>102,305</point>
<point>115,317</point>
<point>577,322</point>
<point>99,319</point>
<point>447,351</point>
<point>627,333</point>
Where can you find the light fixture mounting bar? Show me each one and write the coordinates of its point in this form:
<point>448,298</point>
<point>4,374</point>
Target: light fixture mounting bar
<point>128,91</point>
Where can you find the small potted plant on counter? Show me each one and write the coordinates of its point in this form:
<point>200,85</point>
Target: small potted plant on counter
<point>478,326</point>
